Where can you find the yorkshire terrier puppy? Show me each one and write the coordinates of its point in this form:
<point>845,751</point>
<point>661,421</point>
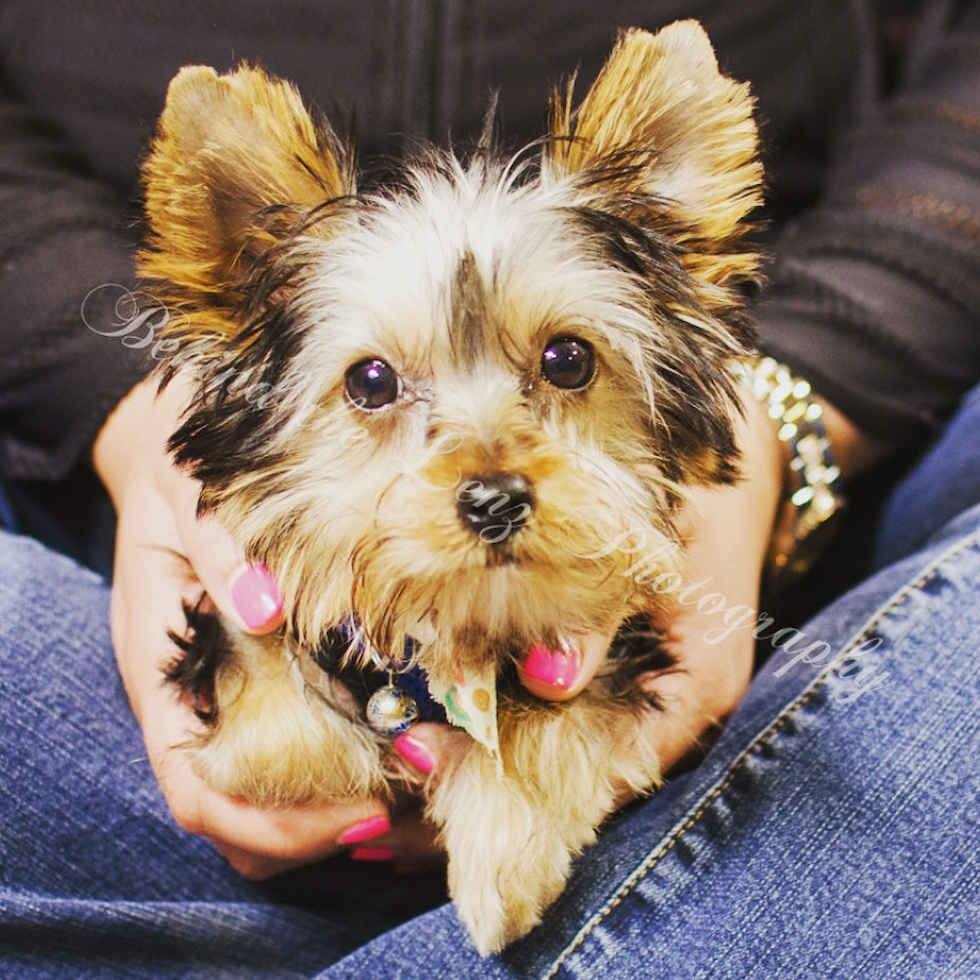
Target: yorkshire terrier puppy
<point>484,387</point>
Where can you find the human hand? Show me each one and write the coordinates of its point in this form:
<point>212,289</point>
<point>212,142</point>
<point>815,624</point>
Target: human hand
<point>167,556</point>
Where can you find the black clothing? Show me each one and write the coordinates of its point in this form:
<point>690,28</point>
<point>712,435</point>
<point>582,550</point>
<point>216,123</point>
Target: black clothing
<point>875,295</point>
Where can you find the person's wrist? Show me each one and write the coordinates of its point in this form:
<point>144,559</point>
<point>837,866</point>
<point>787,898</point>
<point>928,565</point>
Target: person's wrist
<point>854,451</point>
<point>819,449</point>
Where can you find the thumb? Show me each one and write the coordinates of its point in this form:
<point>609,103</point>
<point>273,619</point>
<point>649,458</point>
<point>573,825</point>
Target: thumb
<point>561,674</point>
<point>246,593</point>
<point>432,748</point>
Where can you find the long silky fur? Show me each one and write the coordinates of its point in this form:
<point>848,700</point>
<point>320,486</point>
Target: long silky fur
<point>623,227</point>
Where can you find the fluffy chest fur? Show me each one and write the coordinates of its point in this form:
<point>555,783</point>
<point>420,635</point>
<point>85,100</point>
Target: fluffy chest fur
<point>482,389</point>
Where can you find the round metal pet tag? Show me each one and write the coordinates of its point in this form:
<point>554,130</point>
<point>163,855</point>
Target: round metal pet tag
<point>391,710</point>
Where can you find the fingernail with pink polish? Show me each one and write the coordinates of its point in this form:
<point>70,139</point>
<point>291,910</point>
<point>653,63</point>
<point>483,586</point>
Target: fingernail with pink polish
<point>366,830</point>
<point>372,854</point>
<point>256,596</point>
<point>556,668</point>
<point>416,753</point>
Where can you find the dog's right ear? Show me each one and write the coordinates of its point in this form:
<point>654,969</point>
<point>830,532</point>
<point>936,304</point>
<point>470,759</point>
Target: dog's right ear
<point>236,162</point>
<point>664,140</point>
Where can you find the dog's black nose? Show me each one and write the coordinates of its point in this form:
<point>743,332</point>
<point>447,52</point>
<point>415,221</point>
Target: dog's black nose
<point>495,507</point>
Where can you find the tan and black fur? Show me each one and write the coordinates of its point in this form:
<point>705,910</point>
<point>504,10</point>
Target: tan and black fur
<point>616,240</point>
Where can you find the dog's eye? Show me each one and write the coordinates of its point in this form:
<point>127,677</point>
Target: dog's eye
<point>372,384</point>
<point>568,362</point>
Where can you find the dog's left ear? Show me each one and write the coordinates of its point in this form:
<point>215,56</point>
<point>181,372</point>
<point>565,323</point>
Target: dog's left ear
<point>662,134</point>
<point>237,161</point>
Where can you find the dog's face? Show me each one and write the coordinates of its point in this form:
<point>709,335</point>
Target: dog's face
<point>461,407</point>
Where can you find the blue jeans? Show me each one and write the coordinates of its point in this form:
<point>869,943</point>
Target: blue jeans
<point>831,831</point>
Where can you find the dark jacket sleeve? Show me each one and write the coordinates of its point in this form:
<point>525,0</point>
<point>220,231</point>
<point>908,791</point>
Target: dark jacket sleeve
<point>875,293</point>
<point>63,236</point>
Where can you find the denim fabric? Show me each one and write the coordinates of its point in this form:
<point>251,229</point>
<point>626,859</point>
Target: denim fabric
<point>944,483</point>
<point>96,879</point>
<point>831,832</point>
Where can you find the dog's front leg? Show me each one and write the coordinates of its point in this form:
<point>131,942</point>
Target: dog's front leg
<point>275,741</point>
<point>511,838</point>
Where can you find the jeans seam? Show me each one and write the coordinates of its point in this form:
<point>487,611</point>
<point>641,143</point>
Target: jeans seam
<point>763,738</point>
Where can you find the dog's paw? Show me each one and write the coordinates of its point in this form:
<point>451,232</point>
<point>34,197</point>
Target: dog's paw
<point>276,743</point>
<point>509,857</point>
<point>511,838</point>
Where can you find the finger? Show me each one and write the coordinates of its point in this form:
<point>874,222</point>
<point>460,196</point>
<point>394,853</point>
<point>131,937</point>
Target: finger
<point>256,598</point>
<point>560,674</point>
<point>247,594</point>
<point>263,841</point>
<point>258,841</point>
<point>431,748</point>
<point>414,842</point>
<point>255,867</point>
<point>408,841</point>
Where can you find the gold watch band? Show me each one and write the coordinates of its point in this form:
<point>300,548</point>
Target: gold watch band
<point>811,495</point>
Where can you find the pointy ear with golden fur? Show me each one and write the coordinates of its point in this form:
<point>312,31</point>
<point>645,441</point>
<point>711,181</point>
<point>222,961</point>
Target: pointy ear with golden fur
<point>662,130</point>
<point>236,163</point>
